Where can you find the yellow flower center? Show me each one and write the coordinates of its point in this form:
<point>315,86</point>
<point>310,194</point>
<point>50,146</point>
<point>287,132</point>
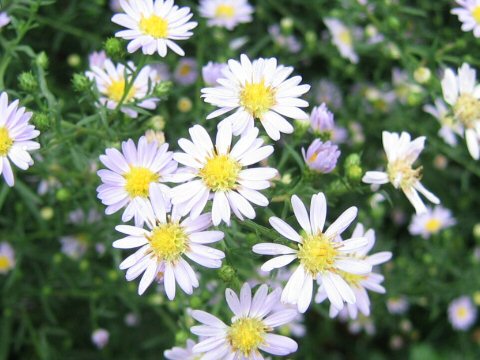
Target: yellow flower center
<point>220,173</point>
<point>462,312</point>
<point>225,11</point>
<point>401,174</point>
<point>476,14</point>
<point>257,98</point>
<point>467,110</point>
<point>154,26</point>
<point>6,141</point>
<point>5,263</point>
<point>352,279</point>
<point>139,180</point>
<point>317,253</point>
<point>185,70</point>
<point>116,90</point>
<point>168,241</point>
<point>345,37</point>
<point>246,334</point>
<point>433,225</point>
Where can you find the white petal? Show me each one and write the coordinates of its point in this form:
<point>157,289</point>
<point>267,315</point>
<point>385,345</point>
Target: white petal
<point>284,229</point>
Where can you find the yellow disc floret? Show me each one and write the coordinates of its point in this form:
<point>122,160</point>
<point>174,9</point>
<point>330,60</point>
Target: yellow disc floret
<point>433,225</point>
<point>476,14</point>
<point>154,26</point>
<point>317,253</point>
<point>116,89</point>
<point>345,37</point>
<point>467,110</point>
<point>225,11</point>
<point>139,180</point>
<point>257,98</point>
<point>352,279</point>
<point>246,335</point>
<point>401,174</point>
<point>220,173</point>
<point>168,241</point>
<point>5,263</point>
<point>6,141</point>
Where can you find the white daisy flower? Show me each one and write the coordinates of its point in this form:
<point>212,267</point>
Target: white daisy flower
<point>360,283</point>
<point>221,172</point>
<point>16,136</point>
<point>178,353</point>
<point>7,257</point>
<point>469,14</point>
<point>463,93</point>
<point>401,154</point>
<point>322,255</point>
<point>164,244</point>
<point>250,330</point>
<point>449,127</point>
<point>226,13</point>
<point>112,80</point>
<point>462,313</point>
<point>154,25</point>
<point>259,90</point>
<point>431,222</point>
<point>342,38</point>
<point>127,179</point>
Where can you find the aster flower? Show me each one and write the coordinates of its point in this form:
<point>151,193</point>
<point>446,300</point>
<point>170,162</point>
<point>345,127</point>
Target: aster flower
<point>462,313</point>
<point>186,72</point>
<point>398,305</point>
<point>97,58</point>
<point>342,38</point>
<point>74,246</point>
<point>462,92</point>
<point>401,154</point>
<point>449,127</point>
<point>221,171</point>
<point>321,157</point>
<point>469,14</point>
<point>159,72</point>
<point>329,93</point>
<point>403,85</point>
<point>4,19</point>
<point>178,353</point>
<point>100,338</point>
<point>323,124</point>
<point>360,283</point>
<point>290,42</point>
<point>7,258</point>
<point>164,244</point>
<point>154,25</point>
<point>112,81</point>
<point>431,222</point>
<point>16,138</point>
<point>250,330</point>
<point>226,13</point>
<point>127,179</point>
<point>260,90</point>
<point>115,5</point>
<point>321,255</point>
<point>212,72</point>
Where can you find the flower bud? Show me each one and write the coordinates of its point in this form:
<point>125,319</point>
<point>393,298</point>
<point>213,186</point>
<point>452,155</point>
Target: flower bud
<point>74,60</point>
<point>184,104</point>
<point>27,81</point>
<point>227,273</point>
<point>80,82</point>
<point>422,75</point>
<point>115,49</point>
<point>162,89</point>
<point>42,60</point>
<point>41,121</point>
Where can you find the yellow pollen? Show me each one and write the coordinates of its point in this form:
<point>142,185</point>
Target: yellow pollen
<point>467,110</point>
<point>317,253</point>
<point>225,11</point>
<point>6,141</point>
<point>476,14</point>
<point>220,173</point>
<point>352,279</point>
<point>246,335</point>
<point>462,312</point>
<point>139,180</point>
<point>257,98</point>
<point>345,37</point>
<point>154,26</point>
<point>185,70</point>
<point>116,90</point>
<point>168,241</point>
<point>433,225</point>
<point>5,263</point>
<point>401,174</point>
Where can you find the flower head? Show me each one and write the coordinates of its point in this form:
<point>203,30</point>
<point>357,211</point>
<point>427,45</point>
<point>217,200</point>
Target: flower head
<point>186,72</point>
<point>398,305</point>
<point>221,171</point>
<point>329,93</point>
<point>321,157</point>
<point>159,72</point>
<point>74,246</point>
<point>16,138</point>
<point>401,153</point>
<point>321,255</point>
<point>4,19</point>
<point>226,13</point>
<point>178,353</point>
<point>431,222</point>
<point>342,38</point>
<point>7,257</point>
<point>469,14</point>
<point>97,58</point>
<point>154,25</point>
<point>449,127</point>
<point>462,313</point>
<point>212,72</point>
<point>100,338</point>
<point>250,330</point>
<point>258,90</point>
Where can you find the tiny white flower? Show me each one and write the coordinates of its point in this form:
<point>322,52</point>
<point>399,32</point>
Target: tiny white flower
<point>250,330</point>
<point>16,138</point>
<point>226,13</point>
<point>258,90</point>
<point>449,127</point>
<point>342,38</point>
<point>431,222</point>
<point>127,179</point>
<point>462,313</point>
<point>163,245</point>
<point>469,14</point>
<point>462,92</point>
<point>7,258</point>
<point>178,353</point>
<point>100,338</point>
<point>221,172</point>
<point>401,153</point>
<point>322,255</point>
<point>154,25</point>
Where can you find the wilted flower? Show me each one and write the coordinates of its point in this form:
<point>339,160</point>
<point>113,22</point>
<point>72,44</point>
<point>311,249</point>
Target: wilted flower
<point>462,313</point>
<point>431,222</point>
<point>186,71</point>
<point>321,157</point>
<point>100,338</point>
<point>212,72</point>
<point>7,257</point>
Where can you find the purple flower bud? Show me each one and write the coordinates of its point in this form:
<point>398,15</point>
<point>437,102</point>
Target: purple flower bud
<point>212,72</point>
<point>321,157</point>
<point>321,119</point>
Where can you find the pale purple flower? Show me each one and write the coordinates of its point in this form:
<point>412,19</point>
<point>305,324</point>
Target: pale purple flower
<point>431,222</point>
<point>462,313</point>
<point>186,72</point>
<point>100,338</point>
<point>97,58</point>
<point>159,72</point>
<point>398,305</point>
<point>115,6</point>
<point>212,72</point>
<point>329,93</point>
<point>321,157</point>
<point>7,257</point>
<point>74,246</point>
<point>289,43</point>
<point>4,19</point>
<point>322,122</point>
